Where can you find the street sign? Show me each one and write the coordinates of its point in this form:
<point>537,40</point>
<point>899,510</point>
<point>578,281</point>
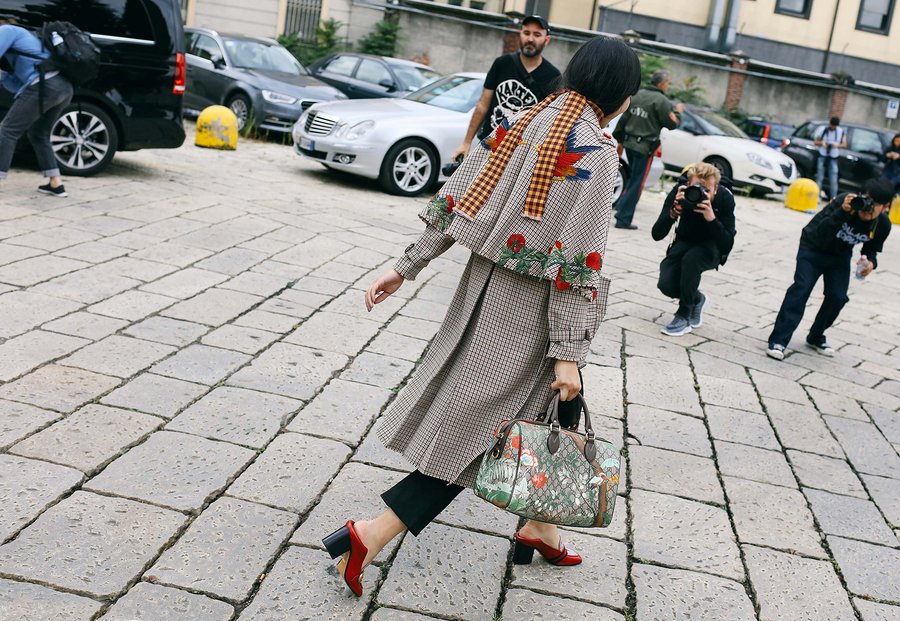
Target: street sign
<point>892,106</point>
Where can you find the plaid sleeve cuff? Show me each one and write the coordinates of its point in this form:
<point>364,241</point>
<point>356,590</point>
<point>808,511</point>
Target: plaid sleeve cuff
<point>567,350</point>
<point>432,243</point>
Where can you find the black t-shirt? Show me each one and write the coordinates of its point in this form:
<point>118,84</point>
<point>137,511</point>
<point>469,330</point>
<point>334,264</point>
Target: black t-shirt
<point>514,88</point>
<point>693,227</point>
<point>835,231</point>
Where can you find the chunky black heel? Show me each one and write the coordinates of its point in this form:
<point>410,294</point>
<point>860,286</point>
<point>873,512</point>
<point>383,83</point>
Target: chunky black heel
<point>522,554</point>
<point>338,542</point>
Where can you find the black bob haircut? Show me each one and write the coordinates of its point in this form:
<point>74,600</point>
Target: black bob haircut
<point>606,71</point>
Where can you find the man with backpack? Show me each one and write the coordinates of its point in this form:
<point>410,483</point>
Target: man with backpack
<point>41,93</point>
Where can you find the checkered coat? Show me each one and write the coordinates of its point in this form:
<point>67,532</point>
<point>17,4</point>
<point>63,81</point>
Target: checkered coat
<point>493,357</point>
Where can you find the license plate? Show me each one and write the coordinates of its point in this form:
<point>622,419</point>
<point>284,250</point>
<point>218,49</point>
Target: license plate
<point>306,143</point>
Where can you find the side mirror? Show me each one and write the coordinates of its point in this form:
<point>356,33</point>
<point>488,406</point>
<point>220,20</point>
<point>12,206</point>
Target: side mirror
<point>219,63</point>
<point>388,84</point>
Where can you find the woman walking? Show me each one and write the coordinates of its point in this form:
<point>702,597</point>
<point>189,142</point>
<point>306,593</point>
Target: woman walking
<point>533,205</point>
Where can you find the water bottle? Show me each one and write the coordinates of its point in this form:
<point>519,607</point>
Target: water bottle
<point>55,39</point>
<point>860,266</point>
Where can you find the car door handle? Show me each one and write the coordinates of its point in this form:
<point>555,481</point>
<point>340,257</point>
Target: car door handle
<point>852,158</point>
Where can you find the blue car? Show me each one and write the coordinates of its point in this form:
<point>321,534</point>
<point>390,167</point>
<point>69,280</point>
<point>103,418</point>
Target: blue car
<point>769,133</point>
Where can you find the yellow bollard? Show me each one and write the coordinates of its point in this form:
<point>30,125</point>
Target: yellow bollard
<point>894,213</point>
<point>217,129</point>
<point>802,195</point>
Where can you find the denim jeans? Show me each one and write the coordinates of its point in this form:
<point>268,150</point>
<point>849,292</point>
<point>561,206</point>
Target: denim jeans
<point>680,270</point>
<point>631,193</point>
<point>832,174</point>
<point>25,117</point>
<point>811,263</point>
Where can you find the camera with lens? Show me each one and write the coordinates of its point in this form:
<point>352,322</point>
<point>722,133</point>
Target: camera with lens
<point>695,194</point>
<point>862,203</point>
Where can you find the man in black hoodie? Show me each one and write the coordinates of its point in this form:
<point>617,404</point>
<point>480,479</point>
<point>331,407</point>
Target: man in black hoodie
<point>826,247</point>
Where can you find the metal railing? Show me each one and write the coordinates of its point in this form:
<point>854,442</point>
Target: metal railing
<point>302,17</point>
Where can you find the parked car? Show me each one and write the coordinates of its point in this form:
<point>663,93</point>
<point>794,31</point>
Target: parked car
<point>769,133</point>
<point>262,83</point>
<point>861,160</point>
<point>404,143</point>
<point>136,100</point>
<point>704,136</point>
<point>362,76</point>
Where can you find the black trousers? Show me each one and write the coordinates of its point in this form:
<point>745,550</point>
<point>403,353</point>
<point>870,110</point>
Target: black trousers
<point>680,270</point>
<point>419,498</point>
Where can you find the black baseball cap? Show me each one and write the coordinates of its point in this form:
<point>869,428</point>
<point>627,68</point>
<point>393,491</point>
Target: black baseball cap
<point>540,20</point>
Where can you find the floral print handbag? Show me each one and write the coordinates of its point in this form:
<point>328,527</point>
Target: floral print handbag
<point>542,472</point>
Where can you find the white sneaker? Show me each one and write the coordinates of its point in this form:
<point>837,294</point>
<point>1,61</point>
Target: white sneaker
<point>775,351</point>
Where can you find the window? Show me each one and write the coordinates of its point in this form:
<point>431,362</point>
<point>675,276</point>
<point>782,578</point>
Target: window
<point>807,131</point>
<point>206,47</point>
<point>373,72</point>
<point>121,18</point>
<point>865,141</point>
<point>875,15</point>
<point>796,8</point>
<point>342,65</point>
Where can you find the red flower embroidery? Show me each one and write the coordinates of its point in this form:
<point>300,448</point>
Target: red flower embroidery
<point>593,295</point>
<point>561,284</point>
<point>515,442</point>
<point>449,204</point>
<point>515,242</point>
<point>539,480</point>
<point>593,261</point>
<point>558,245</point>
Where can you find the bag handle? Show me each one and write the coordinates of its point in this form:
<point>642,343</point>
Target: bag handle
<point>552,417</point>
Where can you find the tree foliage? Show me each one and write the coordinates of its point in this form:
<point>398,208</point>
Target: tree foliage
<point>327,42</point>
<point>383,40</point>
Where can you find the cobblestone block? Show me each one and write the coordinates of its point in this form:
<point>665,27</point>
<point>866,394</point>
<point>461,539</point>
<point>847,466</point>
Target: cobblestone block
<point>655,348</point>
<point>752,359</point>
<point>741,427</point>
<point>603,390</point>
<point>224,551</point>
<point>372,451</point>
<point>18,420</point>
<point>155,394</point>
<point>27,487</point>
<point>132,305</point>
<point>802,428</point>
<point>756,464</point>
<point>525,604</point>
<point>399,346</point>
<point>185,283</point>
<point>120,356</point>
<point>778,387</point>
<point>869,570</point>
<point>392,614</point>
<point>341,272</point>
<point>245,417</point>
<point>291,472</point>
<point>886,494</point>
<point>138,269</point>
<point>11,254</point>
<point>213,307</point>
<point>826,473</point>
<point>851,389</point>
<point>466,587</point>
<point>667,430</point>
<point>853,518</point>
<point>168,331</point>
<point>377,370</point>
<point>837,405</point>
<point>679,474</point>
<point>471,512</point>
<point>152,602</point>
<point>289,370</point>
<point>86,325</point>
<point>793,588</point>
<point>888,422</point>
<point>866,448</point>
<point>240,338</point>
<point>21,601</point>
<point>352,302</point>
<point>772,516</point>
<point>173,469</point>
<point>92,252</point>
<point>89,438</point>
<point>90,543</point>
<point>334,332</point>
<point>88,286</point>
<point>232,261</point>
<point>256,284</point>
<point>22,310</point>
<point>21,354</point>
<point>264,320</point>
<point>355,493</point>
<point>343,411</point>
<point>58,388</point>
<point>661,384</point>
<point>325,286</point>
<point>30,272</point>
<point>872,611</point>
<point>683,533</point>
<point>201,363</point>
<point>676,595</point>
<point>304,585</point>
<point>416,328</point>
<point>53,239</point>
<point>728,393</point>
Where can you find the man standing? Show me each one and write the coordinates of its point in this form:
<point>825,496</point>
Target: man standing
<point>638,132</point>
<point>830,141</point>
<point>33,111</point>
<point>826,246</point>
<point>515,81</point>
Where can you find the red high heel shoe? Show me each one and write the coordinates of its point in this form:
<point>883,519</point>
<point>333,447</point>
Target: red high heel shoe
<point>347,543</point>
<point>524,552</point>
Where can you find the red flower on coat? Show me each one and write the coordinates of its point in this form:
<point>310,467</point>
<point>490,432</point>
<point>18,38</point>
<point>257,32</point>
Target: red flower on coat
<point>593,295</point>
<point>449,204</point>
<point>561,284</point>
<point>539,480</point>
<point>593,261</point>
<point>515,442</point>
<point>515,242</point>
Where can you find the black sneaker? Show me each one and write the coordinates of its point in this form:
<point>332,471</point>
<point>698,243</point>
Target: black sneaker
<point>629,226</point>
<point>821,346</point>
<point>775,351</point>
<point>59,190</point>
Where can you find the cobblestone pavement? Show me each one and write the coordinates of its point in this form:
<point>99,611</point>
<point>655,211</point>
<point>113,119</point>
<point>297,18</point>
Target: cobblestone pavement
<point>189,383</point>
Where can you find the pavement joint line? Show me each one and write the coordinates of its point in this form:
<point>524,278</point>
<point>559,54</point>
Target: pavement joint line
<point>631,597</point>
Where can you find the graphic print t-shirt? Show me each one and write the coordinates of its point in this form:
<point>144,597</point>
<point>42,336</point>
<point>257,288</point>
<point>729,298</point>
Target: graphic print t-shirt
<point>515,89</point>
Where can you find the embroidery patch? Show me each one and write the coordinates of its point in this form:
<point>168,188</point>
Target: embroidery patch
<point>575,271</point>
<point>440,210</point>
<point>565,165</point>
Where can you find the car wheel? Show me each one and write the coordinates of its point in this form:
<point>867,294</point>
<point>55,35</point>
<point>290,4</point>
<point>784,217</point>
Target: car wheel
<point>619,182</point>
<point>723,166</point>
<point>240,105</point>
<point>409,168</point>
<point>84,140</point>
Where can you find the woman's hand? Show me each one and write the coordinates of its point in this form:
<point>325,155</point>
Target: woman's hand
<point>382,288</point>
<point>568,382</point>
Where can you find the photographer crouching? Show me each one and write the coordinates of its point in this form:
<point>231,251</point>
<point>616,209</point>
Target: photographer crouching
<point>826,247</point>
<point>704,211</point>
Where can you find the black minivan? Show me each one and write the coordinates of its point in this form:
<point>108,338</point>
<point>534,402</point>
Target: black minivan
<point>136,100</point>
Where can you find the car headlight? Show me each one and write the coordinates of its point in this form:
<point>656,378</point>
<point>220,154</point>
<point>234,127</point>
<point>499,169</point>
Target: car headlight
<point>340,130</point>
<point>360,129</point>
<point>278,98</point>
<point>759,160</point>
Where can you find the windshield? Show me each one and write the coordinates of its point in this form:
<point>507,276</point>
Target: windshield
<point>780,132</point>
<point>455,92</point>
<point>715,125</point>
<point>247,54</point>
<point>413,77</point>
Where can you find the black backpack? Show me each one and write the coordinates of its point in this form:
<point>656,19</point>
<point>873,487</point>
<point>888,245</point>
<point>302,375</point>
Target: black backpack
<point>72,52</point>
